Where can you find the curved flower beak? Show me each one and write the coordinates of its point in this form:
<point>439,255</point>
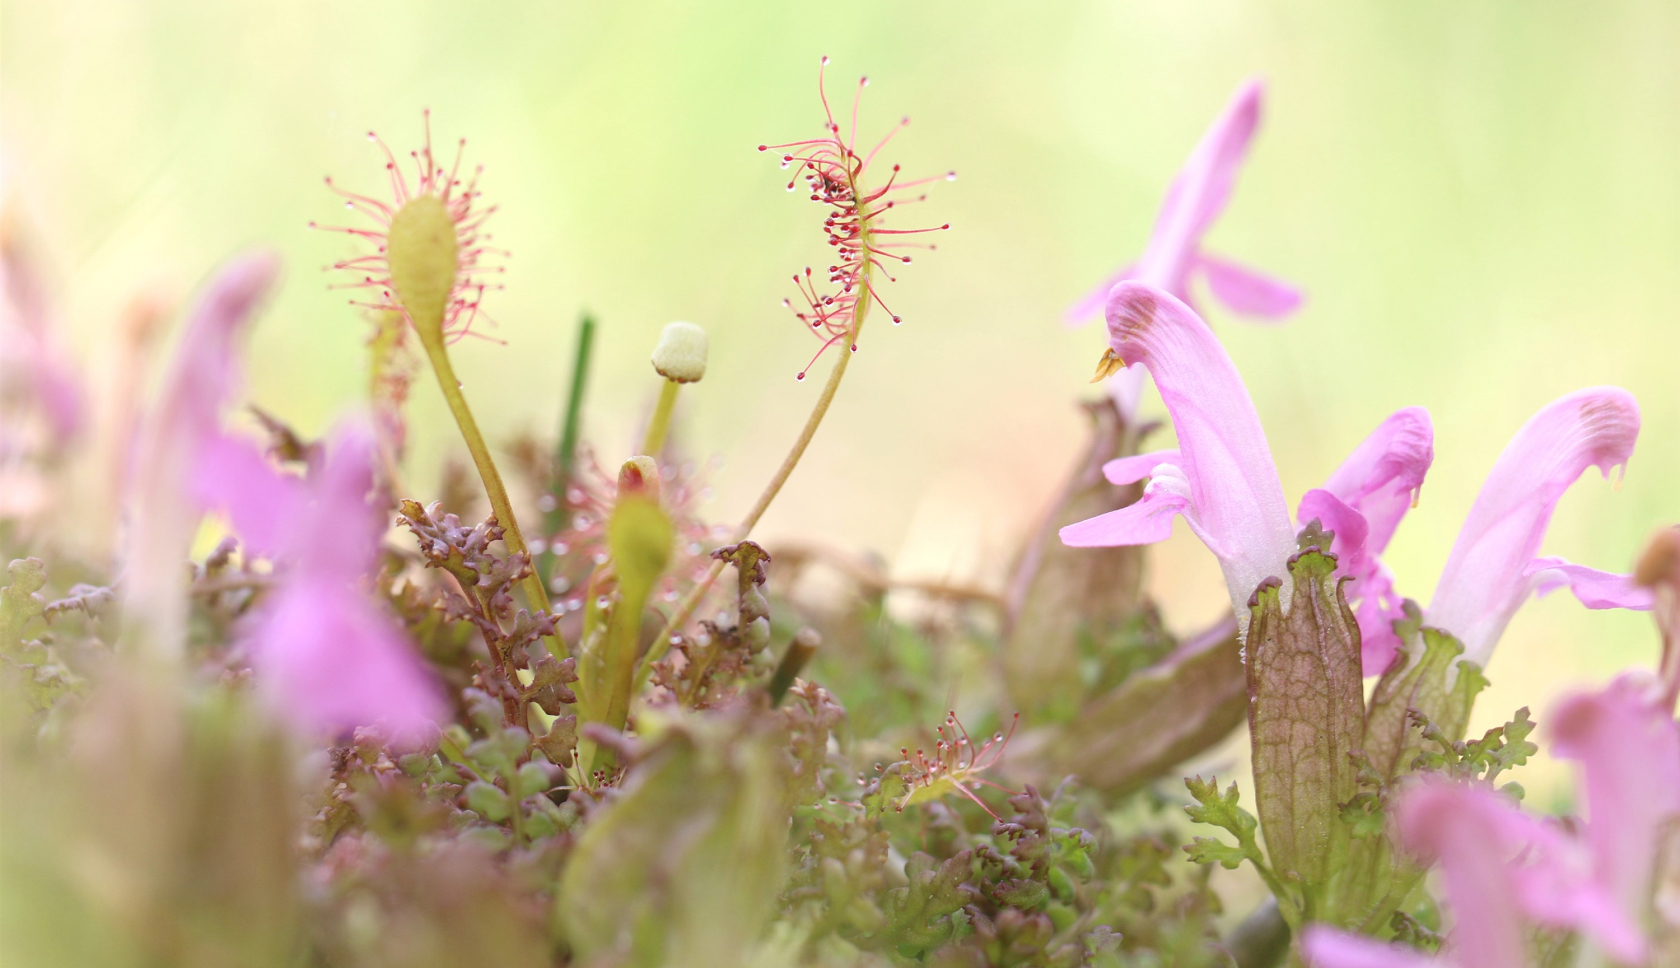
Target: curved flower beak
<point>1492,568</point>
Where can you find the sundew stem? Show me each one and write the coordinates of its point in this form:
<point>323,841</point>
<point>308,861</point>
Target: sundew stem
<point>691,601</point>
<point>535,595</point>
<point>657,427</point>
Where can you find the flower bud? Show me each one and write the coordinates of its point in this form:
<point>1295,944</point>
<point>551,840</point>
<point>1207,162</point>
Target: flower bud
<point>1306,713</point>
<point>681,353</point>
<point>639,475</point>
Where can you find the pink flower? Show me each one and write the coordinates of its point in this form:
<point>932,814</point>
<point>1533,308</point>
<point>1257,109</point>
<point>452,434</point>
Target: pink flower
<point>1221,478</point>
<point>1628,748</point>
<point>181,426</point>
<point>1499,867</point>
<point>326,655</point>
<point>1194,200</point>
<point>1492,568</point>
<point>1362,503</point>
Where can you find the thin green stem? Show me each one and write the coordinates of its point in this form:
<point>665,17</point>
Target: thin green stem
<point>565,453</point>
<point>536,595</point>
<point>691,601</point>
<point>657,427</point>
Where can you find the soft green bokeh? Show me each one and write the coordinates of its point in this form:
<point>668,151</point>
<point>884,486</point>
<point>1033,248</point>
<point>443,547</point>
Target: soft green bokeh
<point>1481,199</point>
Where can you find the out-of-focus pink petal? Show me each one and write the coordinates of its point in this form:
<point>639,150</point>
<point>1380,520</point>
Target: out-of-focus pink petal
<point>1329,948</point>
<point>1211,172</point>
<point>1130,470</point>
<point>1232,483</point>
<point>262,503</point>
<point>342,533</point>
<point>1383,475</point>
<point>329,660</point>
<point>207,368</point>
<point>1590,586</point>
<point>186,416</point>
<point>1485,581</point>
<point>1499,862</point>
<point>1629,749</point>
<point>1090,306</point>
<point>1469,831</point>
<point>1198,193</point>
<point>1247,291</point>
<point>1146,521</point>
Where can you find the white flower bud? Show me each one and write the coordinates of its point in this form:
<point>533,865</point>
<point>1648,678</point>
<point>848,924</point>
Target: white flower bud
<point>681,353</point>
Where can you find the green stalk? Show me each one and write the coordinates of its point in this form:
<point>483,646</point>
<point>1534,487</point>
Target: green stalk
<point>661,422</point>
<point>691,601</point>
<point>565,453</point>
<point>536,595</point>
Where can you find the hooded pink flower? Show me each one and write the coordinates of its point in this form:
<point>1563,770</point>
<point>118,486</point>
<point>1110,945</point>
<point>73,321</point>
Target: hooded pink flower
<point>1194,200</point>
<point>1223,480</point>
<point>327,656</point>
<point>1492,568</point>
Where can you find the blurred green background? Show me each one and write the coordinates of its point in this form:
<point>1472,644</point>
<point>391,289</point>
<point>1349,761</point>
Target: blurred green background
<point>1482,202</point>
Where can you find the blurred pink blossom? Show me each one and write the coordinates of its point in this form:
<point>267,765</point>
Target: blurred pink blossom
<point>327,656</point>
<point>1195,199</point>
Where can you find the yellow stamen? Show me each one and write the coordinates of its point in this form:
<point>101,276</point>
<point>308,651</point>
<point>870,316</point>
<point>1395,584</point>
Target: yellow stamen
<point>1110,364</point>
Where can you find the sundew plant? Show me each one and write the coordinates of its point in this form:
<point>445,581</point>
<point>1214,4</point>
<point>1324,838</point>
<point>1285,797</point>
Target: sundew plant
<point>548,712</point>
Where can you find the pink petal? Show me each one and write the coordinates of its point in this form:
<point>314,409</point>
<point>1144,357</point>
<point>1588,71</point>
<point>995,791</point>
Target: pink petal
<point>1383,475</point>
<point>1591,587</point>
<point>1371,592</point>
<point>1629,750</point>
<point>329,660</point>
<point>342,534</point>
<point>185,418</point>
<point>1246,291</point>
<point>1377,482</point>
<point>1130,470</point>
<point>262,502</point>
<point>1211,172</point>
<point>206,372</point>
<point>1485,579</point>
<point>1471,832</point>
<point>1232,483</point>
<point>1324,947</point>
<point>1200,193</point>
<point>1126,389</point>
<point>1348,526</point>
<point>1145,522</point>
<point>1377,610</point>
